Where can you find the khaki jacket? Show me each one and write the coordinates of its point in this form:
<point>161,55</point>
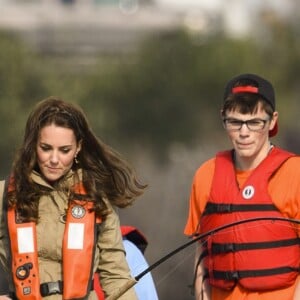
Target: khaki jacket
<point>109,258</point>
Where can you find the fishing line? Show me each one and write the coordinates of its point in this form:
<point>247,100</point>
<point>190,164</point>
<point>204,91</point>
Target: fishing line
<point>168,274</point>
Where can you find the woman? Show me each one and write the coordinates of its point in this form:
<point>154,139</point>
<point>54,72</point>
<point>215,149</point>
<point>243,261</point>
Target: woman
<point>58,206</point>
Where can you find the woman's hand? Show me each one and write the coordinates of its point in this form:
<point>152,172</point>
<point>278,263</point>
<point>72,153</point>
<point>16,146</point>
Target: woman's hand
<point>4,297</point>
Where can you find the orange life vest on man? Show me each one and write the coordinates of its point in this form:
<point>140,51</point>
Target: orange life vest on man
<point>260,256</point>
<point>78,252</point>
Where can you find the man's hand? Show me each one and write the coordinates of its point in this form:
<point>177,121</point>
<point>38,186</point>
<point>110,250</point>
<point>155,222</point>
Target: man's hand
<point>202,289</point>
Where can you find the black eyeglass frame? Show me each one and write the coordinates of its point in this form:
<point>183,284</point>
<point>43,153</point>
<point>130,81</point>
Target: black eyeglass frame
<point>247,122</point>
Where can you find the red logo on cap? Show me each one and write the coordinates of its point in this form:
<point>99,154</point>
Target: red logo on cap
<point>245,89</point>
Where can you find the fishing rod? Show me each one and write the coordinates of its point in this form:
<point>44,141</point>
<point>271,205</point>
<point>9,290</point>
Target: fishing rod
<point>119,292</point>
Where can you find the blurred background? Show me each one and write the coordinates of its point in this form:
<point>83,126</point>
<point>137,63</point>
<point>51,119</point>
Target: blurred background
<point>150,76</point>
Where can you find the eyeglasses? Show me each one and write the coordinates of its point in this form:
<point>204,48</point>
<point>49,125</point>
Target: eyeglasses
<point>252,124</point>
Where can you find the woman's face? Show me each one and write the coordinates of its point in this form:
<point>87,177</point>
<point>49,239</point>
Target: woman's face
<point>56,150</point>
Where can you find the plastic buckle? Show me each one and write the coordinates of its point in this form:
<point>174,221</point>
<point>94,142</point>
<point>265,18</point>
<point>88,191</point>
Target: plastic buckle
<point>51,288</point>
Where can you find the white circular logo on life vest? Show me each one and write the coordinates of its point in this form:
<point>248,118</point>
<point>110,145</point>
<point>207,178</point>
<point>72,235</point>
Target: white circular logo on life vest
<point>78,212</point>
<point>248,192</point>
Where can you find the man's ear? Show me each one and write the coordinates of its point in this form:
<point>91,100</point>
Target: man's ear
<point>274,120</point>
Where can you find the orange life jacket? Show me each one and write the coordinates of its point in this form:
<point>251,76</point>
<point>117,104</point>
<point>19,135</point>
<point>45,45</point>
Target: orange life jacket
<point>260,256</point>
<point>79,243</point>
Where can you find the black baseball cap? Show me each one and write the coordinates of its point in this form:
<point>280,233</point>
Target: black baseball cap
<point>260,86</point>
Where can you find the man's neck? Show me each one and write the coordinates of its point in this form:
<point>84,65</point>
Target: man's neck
<point>250,163</point>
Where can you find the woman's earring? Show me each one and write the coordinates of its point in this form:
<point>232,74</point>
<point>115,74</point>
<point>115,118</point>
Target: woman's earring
<point>76,160</point>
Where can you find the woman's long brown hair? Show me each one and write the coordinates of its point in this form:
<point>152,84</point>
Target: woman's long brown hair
<point>105,172</point>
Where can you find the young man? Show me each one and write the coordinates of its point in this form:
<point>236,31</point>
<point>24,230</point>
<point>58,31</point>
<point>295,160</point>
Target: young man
<point>254,260</point>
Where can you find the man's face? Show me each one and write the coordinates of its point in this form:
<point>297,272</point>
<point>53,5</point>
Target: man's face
<point>250,140</point>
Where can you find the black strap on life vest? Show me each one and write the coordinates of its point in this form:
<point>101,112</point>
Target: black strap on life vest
<point>218,248</point>
<point>213,208</point>
<point>236,275</point>
<point>54,287</point>
<point>51,288</point>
